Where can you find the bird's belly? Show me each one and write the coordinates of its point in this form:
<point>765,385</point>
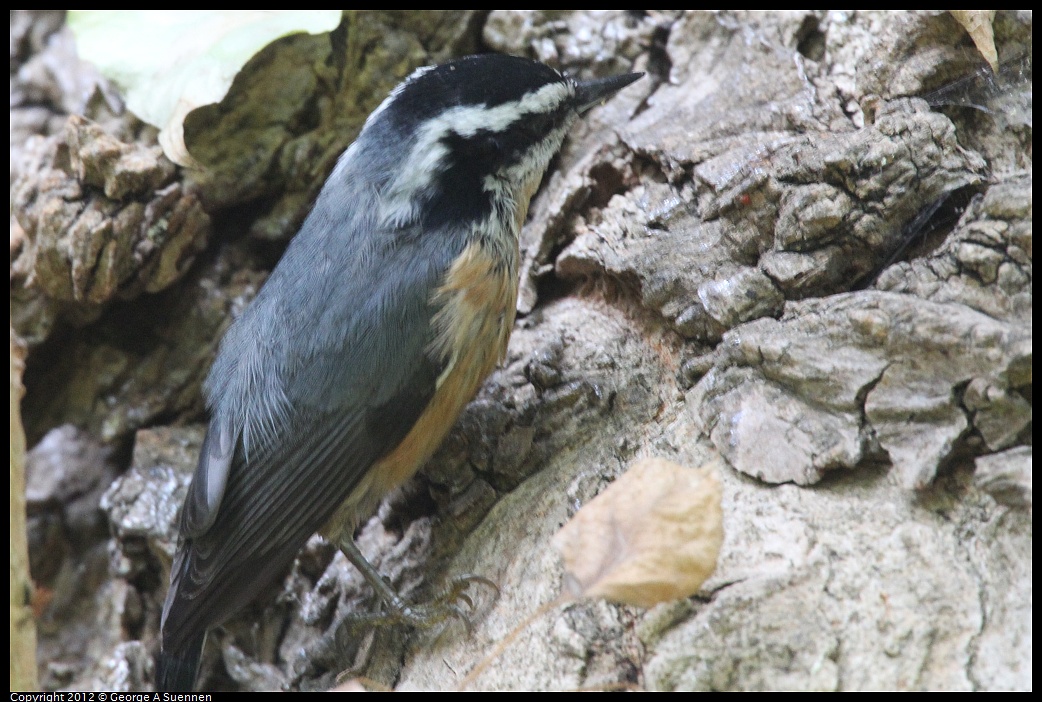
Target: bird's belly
<point>476,305</point>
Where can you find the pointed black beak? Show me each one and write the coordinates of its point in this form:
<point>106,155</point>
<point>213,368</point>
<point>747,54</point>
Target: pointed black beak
<point>589,93</point>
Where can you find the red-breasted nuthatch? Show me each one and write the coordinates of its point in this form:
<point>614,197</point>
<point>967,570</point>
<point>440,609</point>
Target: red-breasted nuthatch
<point>389,308</point>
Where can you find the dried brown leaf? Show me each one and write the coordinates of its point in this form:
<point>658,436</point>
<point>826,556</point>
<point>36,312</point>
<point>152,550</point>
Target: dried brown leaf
<point>653,536</point>
<point>978,24</point>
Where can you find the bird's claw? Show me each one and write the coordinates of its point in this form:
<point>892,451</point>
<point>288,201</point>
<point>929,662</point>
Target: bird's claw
<point>436,611</point>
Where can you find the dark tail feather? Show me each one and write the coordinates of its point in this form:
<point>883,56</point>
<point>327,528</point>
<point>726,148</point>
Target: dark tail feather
<point>175,671</point>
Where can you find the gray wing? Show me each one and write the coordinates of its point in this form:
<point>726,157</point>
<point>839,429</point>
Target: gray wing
<point>325,373</point>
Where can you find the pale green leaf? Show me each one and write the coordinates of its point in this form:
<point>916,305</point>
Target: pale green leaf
<point>169,62</point>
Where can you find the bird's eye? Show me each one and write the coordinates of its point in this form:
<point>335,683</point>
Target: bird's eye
<point>537,125</point>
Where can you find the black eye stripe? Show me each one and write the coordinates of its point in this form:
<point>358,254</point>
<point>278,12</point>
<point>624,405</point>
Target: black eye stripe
<point>526,131</point>
<point>539,124</point>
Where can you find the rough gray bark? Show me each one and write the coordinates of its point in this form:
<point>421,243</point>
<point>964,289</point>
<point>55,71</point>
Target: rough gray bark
<point>803,243</point>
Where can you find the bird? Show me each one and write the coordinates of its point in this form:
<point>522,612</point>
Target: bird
<point>387,311</point>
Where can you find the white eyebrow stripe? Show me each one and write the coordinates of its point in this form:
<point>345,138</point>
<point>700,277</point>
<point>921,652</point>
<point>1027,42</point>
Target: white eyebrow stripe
<point>470,119</point>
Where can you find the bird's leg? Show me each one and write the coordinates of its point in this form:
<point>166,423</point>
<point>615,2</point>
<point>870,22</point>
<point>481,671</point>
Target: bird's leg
<point>425,615</point>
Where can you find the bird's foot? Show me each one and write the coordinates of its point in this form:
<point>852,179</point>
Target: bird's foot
<point>456,602</point>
